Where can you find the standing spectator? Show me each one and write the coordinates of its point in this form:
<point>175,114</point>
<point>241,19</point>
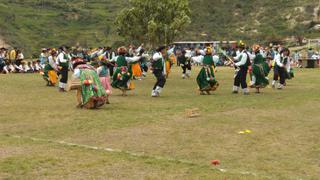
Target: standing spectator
<point>296,57</point>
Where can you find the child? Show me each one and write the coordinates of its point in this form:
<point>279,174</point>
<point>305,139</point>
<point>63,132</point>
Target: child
<point>17,68</point>
<point>37,66</point>
<point>31,65</point>
<point>6,68</point>
<point>104,76</point>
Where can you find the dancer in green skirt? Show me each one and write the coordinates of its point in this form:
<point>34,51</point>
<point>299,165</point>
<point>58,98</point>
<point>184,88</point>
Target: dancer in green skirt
<point>90,92</point>
<point>206,78</point>
<point>260,71</point>
<point>123,72</point>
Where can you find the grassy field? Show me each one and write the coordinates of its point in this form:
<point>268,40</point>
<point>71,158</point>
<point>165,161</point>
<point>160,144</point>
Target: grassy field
<point>153,139</point>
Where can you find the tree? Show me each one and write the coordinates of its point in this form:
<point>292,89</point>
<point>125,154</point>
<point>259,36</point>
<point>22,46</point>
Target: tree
<point>153,21</point>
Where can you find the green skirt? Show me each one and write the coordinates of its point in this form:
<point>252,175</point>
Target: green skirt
<point>206,79</point>
<point>260,73</point>
<point>46,69</point>
<point>93,93</point>
<point>121,78</point>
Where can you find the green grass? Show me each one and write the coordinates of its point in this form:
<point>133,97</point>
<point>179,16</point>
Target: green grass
<point>284,143</point>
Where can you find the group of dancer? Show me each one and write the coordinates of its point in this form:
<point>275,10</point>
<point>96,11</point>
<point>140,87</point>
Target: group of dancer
<point>93,80</point>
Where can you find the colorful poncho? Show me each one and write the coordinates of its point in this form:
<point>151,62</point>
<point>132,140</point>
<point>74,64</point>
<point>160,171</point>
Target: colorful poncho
<point>92,91</point>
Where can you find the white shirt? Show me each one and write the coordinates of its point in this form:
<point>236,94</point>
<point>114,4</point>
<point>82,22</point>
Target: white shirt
<point>37,67</point>
<point>170,51</point>
<point>188,54</point>
<point>199,59</point>
<point>76,73</point>
<point>157,57</point>
<point>251,55</point>
<point>11,67</point>
<point>128,59</point>
<point>315,56</point>
<point>20,56</point>
<point>61,59</point>
<point>277,59</point>
<point>202,52</point>
<point>238,52</point>
<point>26,68</point>
<point>243,59</point>
<point>2,55</point>
<point>216,59</point>
<point>52,62</point>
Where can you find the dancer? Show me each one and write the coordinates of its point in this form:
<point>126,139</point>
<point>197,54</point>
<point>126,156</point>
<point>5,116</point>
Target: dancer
<point>123,73</point>
<point>185,63</point>
<point>206,79</point>
<point>242,64</point>
<point>260,71</point>
<point>49,73</point>
<point>90,92</point>
<point>104,76</point>
<point>159,70</point>
<point>280,69</point>
<point>63,66</point>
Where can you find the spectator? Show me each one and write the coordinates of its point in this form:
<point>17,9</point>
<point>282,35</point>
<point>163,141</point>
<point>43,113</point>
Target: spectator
<point>19,57</point>
<point>296,56</point>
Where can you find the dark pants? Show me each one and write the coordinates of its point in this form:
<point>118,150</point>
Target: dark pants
<point>280,72</point>
<point>1,66</point>
<point>185,68</point>
<point>18,62</point>
<point>241,78</point>
<point>161,79</point>
<point>275,73</point>
<point>144,67</point>
<point>64,75</point>
<point>111,68</point>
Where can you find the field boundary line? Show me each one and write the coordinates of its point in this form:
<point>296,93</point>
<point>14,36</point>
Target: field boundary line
<point>111,150</point>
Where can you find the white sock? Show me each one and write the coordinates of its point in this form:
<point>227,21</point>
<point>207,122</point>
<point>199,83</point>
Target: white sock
<point>159,89</point>
<point>188,73</point>
<point>235,88</point>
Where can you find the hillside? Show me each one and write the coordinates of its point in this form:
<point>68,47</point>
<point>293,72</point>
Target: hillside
<point>32,24</point>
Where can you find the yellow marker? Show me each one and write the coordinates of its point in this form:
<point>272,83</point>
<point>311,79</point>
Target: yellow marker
<point>241,132</point>
<point>248,131</point>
